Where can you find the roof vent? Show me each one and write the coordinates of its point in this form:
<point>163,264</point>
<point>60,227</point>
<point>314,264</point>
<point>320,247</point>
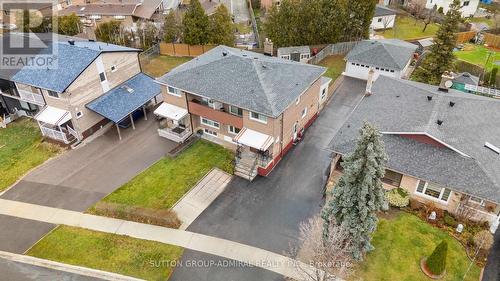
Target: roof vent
<point>439,122</point>
<point>264,66</point>
<point>128,89</point>
<point>91,40</point>
<point>492,147</point>
<point>429,98</point>
<point>452,104</point>
<point>71,42</point>
<point>224,53</point>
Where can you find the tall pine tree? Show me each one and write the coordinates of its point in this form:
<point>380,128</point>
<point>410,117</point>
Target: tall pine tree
<point>195,24</point>
<point>359,17</point>
<point>221,27</point>
<point>441,57</point>
<point>282,22</point>
<point>172,29</point>
<point>359,194</point>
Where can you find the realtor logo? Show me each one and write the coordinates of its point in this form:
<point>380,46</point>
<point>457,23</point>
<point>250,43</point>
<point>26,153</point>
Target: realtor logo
<point>26,40</point>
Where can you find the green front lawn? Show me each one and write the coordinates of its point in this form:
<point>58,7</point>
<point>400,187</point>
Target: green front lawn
<point>109,252</point>
<point>405,29</point>
<point>160,65</point>
<point>164,183</point>
<point>490,22</point>
<point>335,65</point>
<point>401,242</point>
<point>22,149</point>
<point>477,54</point>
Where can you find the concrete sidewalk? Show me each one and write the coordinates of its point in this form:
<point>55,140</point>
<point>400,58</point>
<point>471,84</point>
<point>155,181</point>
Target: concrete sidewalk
<point>189,240</point>
<point>201,196</point>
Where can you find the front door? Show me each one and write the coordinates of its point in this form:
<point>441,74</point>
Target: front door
<point>295,56</point>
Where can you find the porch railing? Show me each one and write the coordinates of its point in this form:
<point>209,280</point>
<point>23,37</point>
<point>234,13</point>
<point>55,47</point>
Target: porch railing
<point>54,134</point>
<point>169,133</point>
<point>31,97</point>
<point>73,132</point>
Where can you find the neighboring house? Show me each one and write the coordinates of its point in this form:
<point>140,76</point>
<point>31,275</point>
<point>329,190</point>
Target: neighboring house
<point>299,53</point>
<point>384,18</point>
<point>469,7</point>
<point>94,83</point>
<point>255,104</point>
<point>442,146</point>
<point>424,44</point>
<point>460,80</point>
<point>390,57</point>
<point>267,4</point>
<point>128,12</point>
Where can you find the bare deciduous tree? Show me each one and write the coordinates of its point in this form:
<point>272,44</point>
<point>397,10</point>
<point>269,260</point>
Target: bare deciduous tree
<point>386,21</point>
<point>417,9</point>
<point>330,258</point>
<point>430,17</point>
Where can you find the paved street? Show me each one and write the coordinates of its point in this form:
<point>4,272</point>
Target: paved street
<point>266,213</point>
<point>15,271</point>
<point>79,178</point>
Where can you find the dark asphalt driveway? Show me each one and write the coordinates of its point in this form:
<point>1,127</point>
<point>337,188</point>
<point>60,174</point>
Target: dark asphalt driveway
<point>492,269</point>
<point>79,178</point>
<point>267,212</point>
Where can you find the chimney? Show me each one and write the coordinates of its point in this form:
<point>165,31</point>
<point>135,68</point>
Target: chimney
<point>446,81</point>
<point>369,82</point>
<point>268,47</point>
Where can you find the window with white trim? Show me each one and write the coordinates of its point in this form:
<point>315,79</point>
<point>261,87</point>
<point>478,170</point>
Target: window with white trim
<point>53,94</point>
<point>476,200</point>
<point>210,132</point>
<point>323,94</point>
<point>304,56</point>
<point>304,112</point>
<point>258,117</point>
<point>233,130</point>
<point>297,101</point>
<point>286,57</point>
<point>102,76</point>
<point>235,110</point>
<point>173,91</point>
<point>433,190</point>
<point>379,19</point>
<point>210,123</point>
<point>113,68</point>
<point>79,115</point>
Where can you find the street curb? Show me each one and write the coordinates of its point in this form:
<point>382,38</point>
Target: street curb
<point>66,267</point>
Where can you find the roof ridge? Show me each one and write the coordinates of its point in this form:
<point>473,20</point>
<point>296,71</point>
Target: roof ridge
<point>390,54</point>
<point>261,84</point>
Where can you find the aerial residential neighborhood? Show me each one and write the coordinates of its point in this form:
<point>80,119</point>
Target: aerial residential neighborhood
<point>250,140</point>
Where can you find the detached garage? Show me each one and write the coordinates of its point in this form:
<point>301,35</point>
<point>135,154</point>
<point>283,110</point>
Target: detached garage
<point>389,57</point>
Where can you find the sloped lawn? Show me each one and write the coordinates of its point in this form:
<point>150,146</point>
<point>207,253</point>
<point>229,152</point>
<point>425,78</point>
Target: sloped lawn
<point>164,183</point>
<point>405,29</point>
<point>22,149</point>
<point>401,242</point>
<point>125,255</point>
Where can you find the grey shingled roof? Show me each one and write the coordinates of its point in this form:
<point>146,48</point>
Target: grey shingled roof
<point>245,79</point>
<point>381,11</point>
<point>387,53</point>
<point>70,60</point>
<point>466,78</point>
<point>295,49</point>
<point>402,106</point>
<point>118,103</point>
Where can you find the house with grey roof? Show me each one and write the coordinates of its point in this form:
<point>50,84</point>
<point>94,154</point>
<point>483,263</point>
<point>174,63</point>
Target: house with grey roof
<point>389,57</point>
<point>384,18</point>
<point>443,146</point>
<point>92,86</point>
<point>255,104</point>
<point>461,80</point>
<point>296,53</point>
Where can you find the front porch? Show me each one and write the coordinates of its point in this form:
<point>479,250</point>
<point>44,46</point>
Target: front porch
<point>56,124</point>
<point>173,122</point>
<point>254,151</point>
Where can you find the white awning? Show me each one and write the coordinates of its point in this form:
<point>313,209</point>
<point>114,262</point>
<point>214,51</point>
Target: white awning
<point>254,139</point>
<point>171,111</point>
<point>53,115</point>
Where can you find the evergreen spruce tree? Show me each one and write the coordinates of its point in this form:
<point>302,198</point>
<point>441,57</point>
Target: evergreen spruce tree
<point>68,25</point>
<point>436,262</point>
<point>441,58</point>
<point>359,194</point>
<point>359,17</point>
<point>221,27</point>
<point>282,23</point>
<point>171,28</point>
<point>195,24</point>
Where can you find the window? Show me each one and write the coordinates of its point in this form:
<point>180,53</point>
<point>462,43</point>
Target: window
<point>79,114</point>
<point>392,178</point>
<point>297,101</point>
<point>113,68</point>
<point>304,56</point>
<point>466,3</point>
<point>210,123</point>
<point>379,20</point>
<point>173,91</point>
<point>102,76</point>
<point>233,130</point>
<point>210,132</point>
<point>353,63</point>
<point>119,17</point>
<point>235,110</point>
<point>258,117</point>
<point>323,94</point>
<point>287,57</point>
<point>53,94</point>
<point>377,68</point>
<point>476,200</point>
<point>362,65</point>
<point>95,17</point>
<point>304,112</point>
<point>392,71</point>
<point>433,191</point>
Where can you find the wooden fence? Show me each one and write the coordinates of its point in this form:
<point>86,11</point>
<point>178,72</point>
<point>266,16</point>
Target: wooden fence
<point>464,37</point>
<point>492,40</point>
<point>333,49</point>
<point>184,50</point>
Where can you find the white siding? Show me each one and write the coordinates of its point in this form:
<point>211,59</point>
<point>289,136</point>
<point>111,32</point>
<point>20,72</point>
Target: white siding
<point>467,11</point>
<point>361,72</point>
<point>378,22</point>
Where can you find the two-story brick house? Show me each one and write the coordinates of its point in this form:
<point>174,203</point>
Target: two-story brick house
<point>85,72</point>
<point>256,104</point>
